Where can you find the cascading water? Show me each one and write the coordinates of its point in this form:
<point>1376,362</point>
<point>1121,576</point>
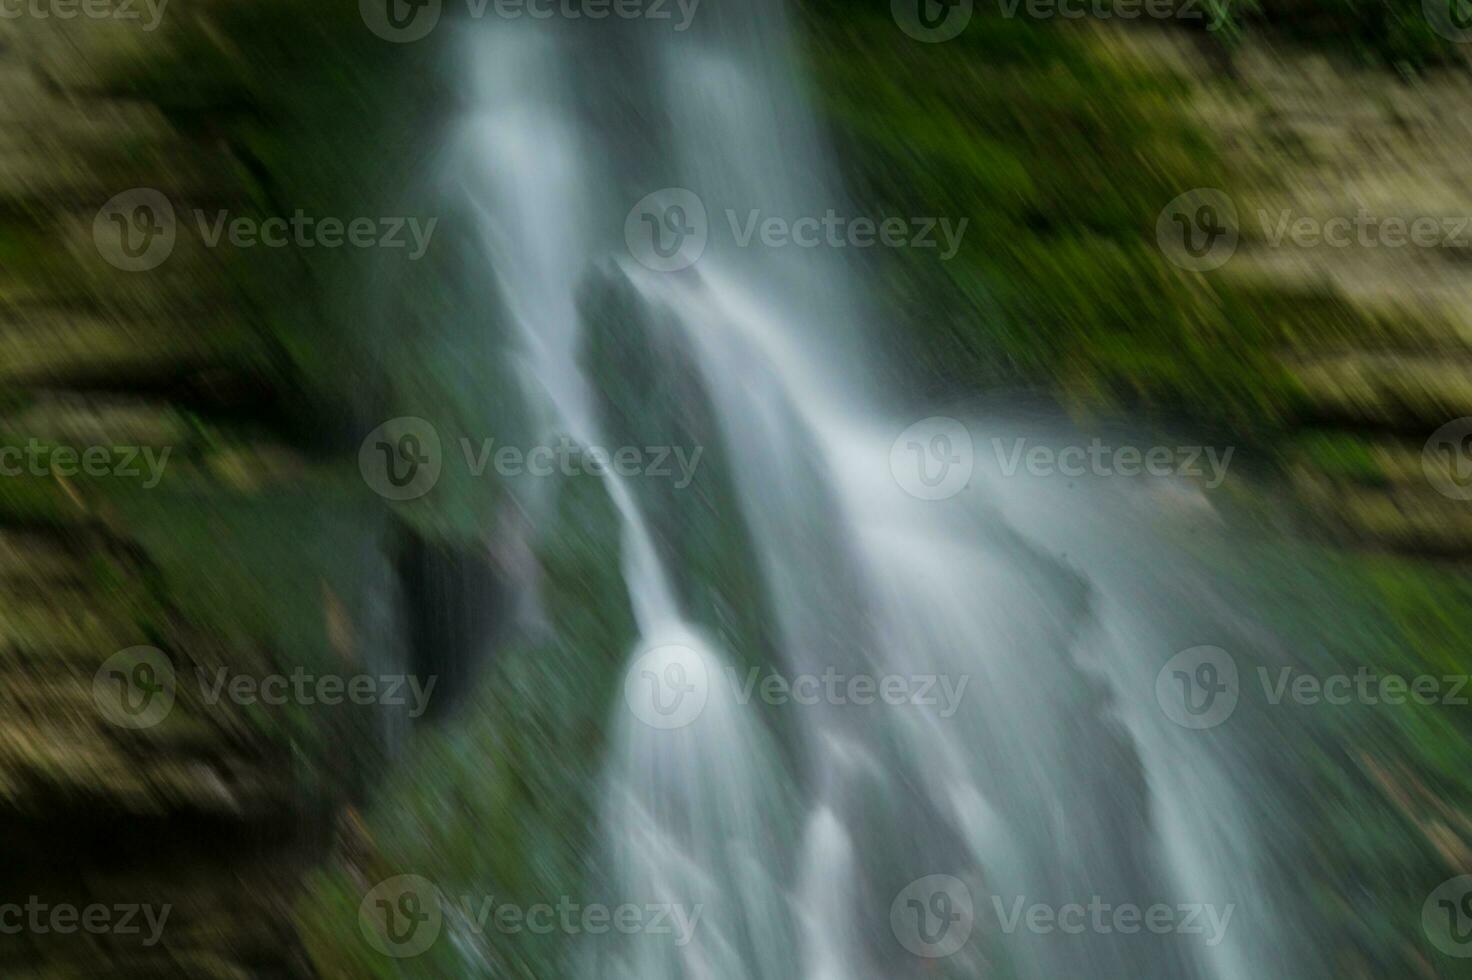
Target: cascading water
<point>834,840</point>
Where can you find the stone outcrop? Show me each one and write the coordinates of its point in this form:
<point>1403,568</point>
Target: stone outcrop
<point>167,377</point>
<point>1310,138</point>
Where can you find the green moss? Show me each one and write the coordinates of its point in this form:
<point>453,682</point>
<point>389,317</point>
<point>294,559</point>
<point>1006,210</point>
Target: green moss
<point>499,803</point>
<point>1060,156</point>
<point>1060,161</point>
<point>1342,456</point>
<point>1377,789</point>
<point>325,118</point>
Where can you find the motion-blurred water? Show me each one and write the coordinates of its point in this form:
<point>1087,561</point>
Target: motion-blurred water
<point>835,840</point>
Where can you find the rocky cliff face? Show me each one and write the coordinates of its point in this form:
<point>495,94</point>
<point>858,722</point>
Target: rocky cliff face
<point>1349,186</point>
<point>170,515</point>
<point>179,420</point>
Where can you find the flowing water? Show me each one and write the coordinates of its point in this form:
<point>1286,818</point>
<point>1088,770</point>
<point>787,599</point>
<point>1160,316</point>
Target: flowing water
<point>830,839</point>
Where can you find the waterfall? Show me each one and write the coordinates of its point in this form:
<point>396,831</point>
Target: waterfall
<point>836,839</point>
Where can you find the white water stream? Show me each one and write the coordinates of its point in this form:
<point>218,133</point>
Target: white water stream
<point>848,841</point>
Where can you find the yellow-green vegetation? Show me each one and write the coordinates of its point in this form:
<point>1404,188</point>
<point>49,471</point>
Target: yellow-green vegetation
<point>1061,164</point>
<point>319,116</point>
<point>1062,156</point>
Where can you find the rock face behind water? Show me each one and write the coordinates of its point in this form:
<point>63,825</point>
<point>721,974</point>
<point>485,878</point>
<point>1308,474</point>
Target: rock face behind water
<point>204,528</point>
<point>1309,136</point>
